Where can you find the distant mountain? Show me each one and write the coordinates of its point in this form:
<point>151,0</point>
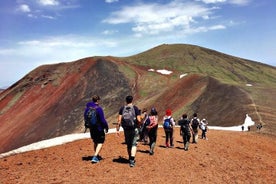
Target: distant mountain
<point>49,101</point>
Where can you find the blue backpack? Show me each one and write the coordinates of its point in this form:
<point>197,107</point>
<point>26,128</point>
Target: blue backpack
<point>167,123</point>
<point>91,117</point>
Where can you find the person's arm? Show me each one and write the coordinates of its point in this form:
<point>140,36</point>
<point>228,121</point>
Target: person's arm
<point>172,121</point>
<point>138,115</point>
<point>119,120</point>
<point>102,118</point>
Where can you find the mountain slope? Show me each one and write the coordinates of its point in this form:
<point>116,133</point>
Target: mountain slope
<point>49,101</point>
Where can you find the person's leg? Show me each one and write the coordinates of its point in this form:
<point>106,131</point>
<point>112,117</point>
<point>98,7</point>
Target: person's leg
<point>196,136</point>
<point>135,137</point>
<point>152,136</point>
<point>167,138</point>
<point>128,141</point>
<point>98,144</point>
<point>171,139</point>
<point>184,136</point>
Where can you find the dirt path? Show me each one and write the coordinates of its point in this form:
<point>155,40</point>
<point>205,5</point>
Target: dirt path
<point>227,157</point>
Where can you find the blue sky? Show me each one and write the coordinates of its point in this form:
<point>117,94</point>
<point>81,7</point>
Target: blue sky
<point>36,32</point>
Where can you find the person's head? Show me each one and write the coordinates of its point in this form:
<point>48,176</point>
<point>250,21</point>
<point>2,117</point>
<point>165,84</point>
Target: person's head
<point>129,99</point>
<point>184,116</point>
<point>144,110</point>
<point>95,98</point>
<point>195,115</point>
<point>153,112</point>
<point>168,112</point>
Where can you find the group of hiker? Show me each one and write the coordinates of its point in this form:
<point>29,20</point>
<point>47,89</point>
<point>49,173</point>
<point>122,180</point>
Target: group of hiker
<point>139,126</point>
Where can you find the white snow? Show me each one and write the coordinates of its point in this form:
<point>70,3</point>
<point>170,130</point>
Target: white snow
<point>249,85</point>
<point>73,137</point>
<point>183,75</point>
<point>163,71</point>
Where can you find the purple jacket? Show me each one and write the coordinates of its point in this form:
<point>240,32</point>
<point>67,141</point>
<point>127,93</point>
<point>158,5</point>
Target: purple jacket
<point>103,123</point>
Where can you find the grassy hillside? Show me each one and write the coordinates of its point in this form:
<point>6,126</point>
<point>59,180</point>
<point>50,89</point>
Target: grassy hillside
<point>193,59</point>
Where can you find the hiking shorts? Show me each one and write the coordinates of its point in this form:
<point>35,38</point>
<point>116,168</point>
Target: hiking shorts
<point>131,137</point>
<point>97,136</point>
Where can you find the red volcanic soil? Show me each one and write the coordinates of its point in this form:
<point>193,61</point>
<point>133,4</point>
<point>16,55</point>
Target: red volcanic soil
<point>227,157</point>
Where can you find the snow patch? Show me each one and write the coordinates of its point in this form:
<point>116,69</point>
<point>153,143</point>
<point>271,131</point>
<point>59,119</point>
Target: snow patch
<point>249,85</point>
<point>183,75</point>
<point>163,71</point>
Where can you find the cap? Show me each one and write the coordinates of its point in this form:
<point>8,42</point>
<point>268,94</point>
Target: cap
<point>168,112</point>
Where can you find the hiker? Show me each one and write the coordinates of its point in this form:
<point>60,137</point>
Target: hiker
<point>185,130</point>
<point>259,126</point>
<point>98,131</point>
<point>242,128</point>
<point>204,128</point>
<point>143,129</point>
<point>152,129</point>
<point>129,118</point>
<point>168,124</point>
<point>194,124</point>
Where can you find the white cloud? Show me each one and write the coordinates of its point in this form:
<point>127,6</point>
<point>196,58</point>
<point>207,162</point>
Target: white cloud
<point>161,18</point>
<point>109,32</point>
<point>24,8</point>
<point>111,1</point>
<point>49,2</point>
<point>237,2</point>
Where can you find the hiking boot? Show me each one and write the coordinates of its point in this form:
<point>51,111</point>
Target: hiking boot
<point>151,152</point>
<point>131,163</point>
<point>99,157</point>
<point>95,159</point>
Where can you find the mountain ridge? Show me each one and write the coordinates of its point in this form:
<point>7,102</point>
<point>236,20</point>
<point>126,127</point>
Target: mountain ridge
<point>49,101</point>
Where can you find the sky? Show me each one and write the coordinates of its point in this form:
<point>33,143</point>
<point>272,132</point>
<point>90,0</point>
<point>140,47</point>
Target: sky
<point>37,32</point>
<point>77,136</point>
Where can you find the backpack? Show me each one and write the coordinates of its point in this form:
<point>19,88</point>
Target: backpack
<point>128,117</point>
<point>91,117</point>
<point>195,123</point>
<point>167,123</point>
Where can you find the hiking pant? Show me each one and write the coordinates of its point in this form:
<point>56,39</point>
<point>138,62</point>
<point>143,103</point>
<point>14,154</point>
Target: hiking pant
<point>203,136</point>
<point>152,137</point>
<point>195,136</point>
<point>169,137</point>
<point>186,139</point>
<point>131,137</point>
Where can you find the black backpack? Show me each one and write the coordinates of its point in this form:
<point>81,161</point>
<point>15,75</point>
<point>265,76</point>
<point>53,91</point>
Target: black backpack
<point>195,123</point>
<point>91,118</point>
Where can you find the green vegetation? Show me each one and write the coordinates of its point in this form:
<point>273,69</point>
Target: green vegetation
<point>193,59</point>
<point>12,102</point>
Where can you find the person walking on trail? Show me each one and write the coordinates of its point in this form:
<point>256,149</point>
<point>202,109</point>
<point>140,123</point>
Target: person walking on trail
<point>168,124</point>
<point>130,118</point>
<point>204,128</point>
<point>195,124</point>
<point>97,131</point>
<point>185,130</point>
<point>152,129</point>
<point>143,130</point>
